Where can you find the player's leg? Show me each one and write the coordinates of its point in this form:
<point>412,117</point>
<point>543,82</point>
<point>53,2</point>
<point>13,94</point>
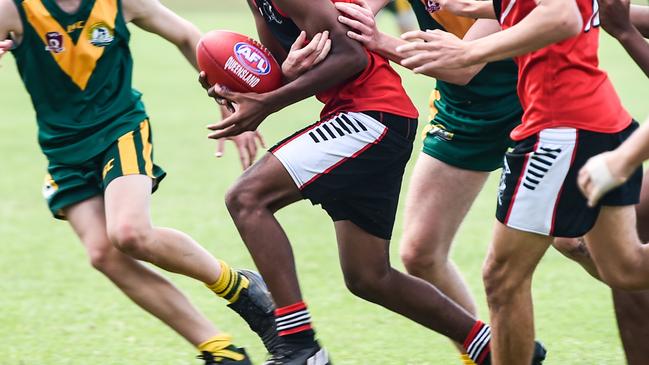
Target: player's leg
<point>632,308</point>
<point>622,261</point>
<point>513,256</point>
<point>252,202</point>
<point>129,176</point>
<point>145,287</point>
<point>365,262</point>
<point>439,198</point>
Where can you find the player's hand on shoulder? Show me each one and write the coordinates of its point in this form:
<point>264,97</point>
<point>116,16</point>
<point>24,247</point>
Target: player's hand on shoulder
<point>432,50</point>
<point>601,174</point>
<point>615,16</point>
<point>301,58</point>
<point>360,18</point>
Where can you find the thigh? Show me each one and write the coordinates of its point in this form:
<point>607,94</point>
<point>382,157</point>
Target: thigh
<point>127,200</point>
<point>438,199</point>
<point>614,245</point>
<point>268,183</point>
<point>88,221</point>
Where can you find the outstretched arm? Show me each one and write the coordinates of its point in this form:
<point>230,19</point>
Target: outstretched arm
<point>154,17</point>
<point>550,22</point>
<point>477,9</point>
<point>359,17</point>
<point>616,20</point>
<point>640,18</point>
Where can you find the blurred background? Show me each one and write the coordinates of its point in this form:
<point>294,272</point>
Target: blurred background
<point>54,309</point>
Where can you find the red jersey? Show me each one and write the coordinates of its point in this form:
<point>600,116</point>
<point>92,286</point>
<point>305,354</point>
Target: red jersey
<point>377,88</point>
<point>561,85</point>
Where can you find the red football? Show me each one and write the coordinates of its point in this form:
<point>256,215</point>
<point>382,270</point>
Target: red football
<point>238,62</point>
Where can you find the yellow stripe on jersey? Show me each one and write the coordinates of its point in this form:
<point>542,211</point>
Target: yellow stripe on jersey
<point>78,60</point>
<point>452,23</point>
<point>147,148</point>
<point>402,6</point>
<point>127,154</point>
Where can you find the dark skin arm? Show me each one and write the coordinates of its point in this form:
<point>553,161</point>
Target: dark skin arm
<point>616,20</point>
<point>346,59</point>
<point>640,18</point>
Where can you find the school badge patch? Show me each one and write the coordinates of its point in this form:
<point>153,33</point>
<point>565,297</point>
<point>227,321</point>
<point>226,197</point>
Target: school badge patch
<point>100,35</point>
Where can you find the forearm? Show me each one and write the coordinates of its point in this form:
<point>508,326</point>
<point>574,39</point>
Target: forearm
<point>640,19</point>
<point>635,150</point>
<point>542,27</point>
<point>473,9</point>
<point>188,50</point>
<point>339,66</point>
<point>637,47</point>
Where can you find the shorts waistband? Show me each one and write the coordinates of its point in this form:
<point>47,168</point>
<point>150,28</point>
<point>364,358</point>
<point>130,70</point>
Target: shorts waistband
<point>558,135</point>
<point>396,123</point>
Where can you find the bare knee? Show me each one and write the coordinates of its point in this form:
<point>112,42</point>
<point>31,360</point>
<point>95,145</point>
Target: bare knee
<point>624,277</point>
<point>101,253</point>
<point>501,284</point>
<point>573,248</point>
<point>243,201</point>
<point>366,283</point>
<point>130,238</point>
<point>423,258</point>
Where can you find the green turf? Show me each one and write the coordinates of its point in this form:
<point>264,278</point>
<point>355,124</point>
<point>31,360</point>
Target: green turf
<point>54,309</point>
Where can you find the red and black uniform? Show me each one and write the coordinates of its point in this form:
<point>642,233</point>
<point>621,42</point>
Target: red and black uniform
<point>571,113</point>
<point>351,161</point>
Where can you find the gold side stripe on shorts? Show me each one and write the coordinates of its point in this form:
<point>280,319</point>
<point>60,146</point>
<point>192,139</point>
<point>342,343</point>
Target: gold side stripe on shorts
<point>127,154</point>
<point>147,148</point>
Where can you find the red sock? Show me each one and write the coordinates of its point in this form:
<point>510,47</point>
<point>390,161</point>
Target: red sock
<point>477,343</point>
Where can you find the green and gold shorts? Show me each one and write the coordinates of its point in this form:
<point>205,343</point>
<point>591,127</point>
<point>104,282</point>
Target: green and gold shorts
<point>131,154</point>
<point>469,142</point>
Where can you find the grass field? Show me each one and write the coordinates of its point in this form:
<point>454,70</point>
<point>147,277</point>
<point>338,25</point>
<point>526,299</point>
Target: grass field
<point>54,309</point>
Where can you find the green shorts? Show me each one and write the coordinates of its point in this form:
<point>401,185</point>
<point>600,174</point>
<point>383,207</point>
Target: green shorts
<point>467,142</point>
<point>131,154</point>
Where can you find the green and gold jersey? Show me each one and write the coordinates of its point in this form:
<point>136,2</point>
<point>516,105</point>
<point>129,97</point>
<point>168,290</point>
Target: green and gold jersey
<point>78,69</point>
<point>490,95</point>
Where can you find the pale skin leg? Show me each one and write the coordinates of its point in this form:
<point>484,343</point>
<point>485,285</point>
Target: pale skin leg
<point>631,308</point>
<point>439,198</point>
<point>146,288</point>
<point>129,227</point>
<point>512,259</point>
<point>622,261</point>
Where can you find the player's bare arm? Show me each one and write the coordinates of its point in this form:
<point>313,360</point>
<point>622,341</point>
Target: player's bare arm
<point>154,17</point>
<point>550,22</point>
<point>616,20</point>
<point>10,26</point>
<point>359,16</point>
<point>640,18</point>
<point>608,170</point>
<point>469,8</point>
<point>346,58</point>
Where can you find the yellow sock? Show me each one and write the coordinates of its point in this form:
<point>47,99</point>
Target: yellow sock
<point>220,346</point>
<point>229,284</point>
<point>466,360</point>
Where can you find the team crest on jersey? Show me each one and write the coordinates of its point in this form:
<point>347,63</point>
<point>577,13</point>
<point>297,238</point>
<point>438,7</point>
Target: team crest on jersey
<point>54,42</point>
<point>100,35</point>
<point>252,58</point>
<point>432,6</point>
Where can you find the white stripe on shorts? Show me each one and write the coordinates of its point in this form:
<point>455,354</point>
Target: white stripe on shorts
<point>325,145</point>
<point>539,187</point>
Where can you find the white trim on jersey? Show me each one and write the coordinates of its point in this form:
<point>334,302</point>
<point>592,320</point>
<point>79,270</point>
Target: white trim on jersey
<point>326,145</point>
<point>534,203</point>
